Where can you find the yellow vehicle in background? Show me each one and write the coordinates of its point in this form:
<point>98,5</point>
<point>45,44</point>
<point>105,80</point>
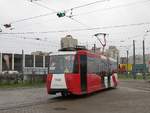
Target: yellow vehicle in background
<point>124,67</point>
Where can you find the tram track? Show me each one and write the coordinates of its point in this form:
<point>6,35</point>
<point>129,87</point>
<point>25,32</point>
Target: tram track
<point>136,85</point>
<point>144,89</point>
<point>59,99</point>
<point>30,104</point>
<point>129,86</point>
<point>42,102</point>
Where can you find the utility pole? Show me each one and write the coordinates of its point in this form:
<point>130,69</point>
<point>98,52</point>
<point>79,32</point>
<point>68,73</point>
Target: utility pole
<point>48,63</point>
<point>117,63</point>
<point>127,61</point>
<point>23,64</point>
<point>133,68</point>
<point>144,60</point>
<point>94,48</point>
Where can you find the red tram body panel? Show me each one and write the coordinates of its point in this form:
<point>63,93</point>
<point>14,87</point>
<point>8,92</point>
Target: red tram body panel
<point>80,72</point>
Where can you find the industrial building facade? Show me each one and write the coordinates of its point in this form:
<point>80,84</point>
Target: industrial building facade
<point>24,63</point>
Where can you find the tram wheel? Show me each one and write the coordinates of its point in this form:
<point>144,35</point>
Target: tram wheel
<point>64,94</point>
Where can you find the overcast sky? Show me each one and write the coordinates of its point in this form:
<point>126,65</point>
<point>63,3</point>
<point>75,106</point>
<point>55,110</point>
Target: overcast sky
<point>101,14</point>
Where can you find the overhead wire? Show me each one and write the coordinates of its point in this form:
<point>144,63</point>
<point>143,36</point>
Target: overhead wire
<point>79,22</point>
<point>105,27</point>
<point>82,29</point>
<point>33,17</point>
<point>88,4</point>
<point>84,5</point>
<point>43,6</point>
<point>113,7</point>
<point>53,11</point>
<point>24,38</point>
<point>123,5</point>
<point>38,16</point>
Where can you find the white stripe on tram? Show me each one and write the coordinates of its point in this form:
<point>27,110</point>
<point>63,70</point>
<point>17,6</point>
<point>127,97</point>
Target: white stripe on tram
<point>58,81</point>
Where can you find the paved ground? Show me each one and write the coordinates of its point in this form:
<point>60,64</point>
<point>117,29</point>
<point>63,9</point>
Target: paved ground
<point>130,97</point>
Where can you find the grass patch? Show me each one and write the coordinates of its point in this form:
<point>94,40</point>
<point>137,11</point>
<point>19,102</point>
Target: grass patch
<point>21,85</point>
<point>130,77</point>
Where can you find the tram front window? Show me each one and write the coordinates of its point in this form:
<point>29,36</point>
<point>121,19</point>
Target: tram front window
<point>61,64</point>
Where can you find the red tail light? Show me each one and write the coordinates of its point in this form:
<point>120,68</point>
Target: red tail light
<point>48,82</point>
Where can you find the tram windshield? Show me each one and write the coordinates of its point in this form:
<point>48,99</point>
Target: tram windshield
<point>62,64</point>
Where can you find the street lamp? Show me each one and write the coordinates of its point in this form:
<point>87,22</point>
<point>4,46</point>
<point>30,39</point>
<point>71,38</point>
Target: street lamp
<point>144,63</point>
<point>127,56</point>
<point>127,61</point>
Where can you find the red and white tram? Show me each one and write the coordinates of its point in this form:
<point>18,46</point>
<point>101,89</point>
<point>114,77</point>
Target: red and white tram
<point>80,72</point>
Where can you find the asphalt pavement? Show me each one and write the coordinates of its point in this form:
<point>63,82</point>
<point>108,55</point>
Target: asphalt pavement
<point>131,96</point>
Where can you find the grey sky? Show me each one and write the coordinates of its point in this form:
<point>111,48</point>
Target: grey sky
<point>108,13</point>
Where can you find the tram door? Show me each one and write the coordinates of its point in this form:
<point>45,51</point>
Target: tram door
<point>83,72</point>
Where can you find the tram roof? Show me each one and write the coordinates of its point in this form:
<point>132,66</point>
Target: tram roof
<point>64,53</point>
<point>102,56</point>
<point>75,52</point>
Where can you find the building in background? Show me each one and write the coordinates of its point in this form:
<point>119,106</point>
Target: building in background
<point>123,65</point>
<point>40,53</point>
<point>36,63</point>
<point>139,60</point>
<point>96,50</point>
<point>112,52</point>
<point>123,60</point>
<point>68,41</point>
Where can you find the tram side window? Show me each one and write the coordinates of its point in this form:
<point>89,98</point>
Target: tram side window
<point>93,65</point>
<point>90,65</point>
<point>114,66</point>
<point>99,66</point>
<point>111,66</point>
<point>104,65</point>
